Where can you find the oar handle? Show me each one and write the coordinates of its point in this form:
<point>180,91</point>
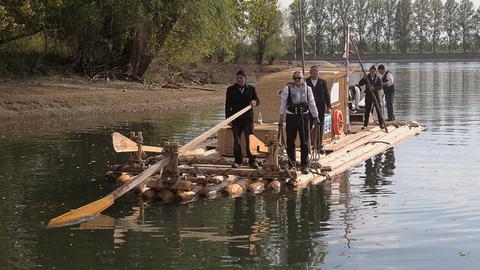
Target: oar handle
<point>210,132</point>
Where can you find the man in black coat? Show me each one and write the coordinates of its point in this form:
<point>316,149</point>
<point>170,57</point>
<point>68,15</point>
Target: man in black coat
<point>377,85</point>
<point>389,90</point>
<point>322,99</point>
<point>239,96</point>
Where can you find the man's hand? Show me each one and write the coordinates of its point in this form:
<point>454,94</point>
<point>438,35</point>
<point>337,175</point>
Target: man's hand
<point>327,110</point>
<point>317,121</point>
<point>253,103</point>
<point>280,124</point>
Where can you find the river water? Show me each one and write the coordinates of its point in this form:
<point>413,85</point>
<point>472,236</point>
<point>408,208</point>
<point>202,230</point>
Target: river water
<point>412,207</point>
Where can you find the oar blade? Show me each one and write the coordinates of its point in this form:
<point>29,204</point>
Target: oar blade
<point>122,143</point>
<point>84,213</point>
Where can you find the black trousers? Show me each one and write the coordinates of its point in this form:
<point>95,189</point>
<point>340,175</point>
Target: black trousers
<point>369,105</point>
<point>245,127</point>
<point>389,95</point>
<point>298,124</point>
<point>319,139</point>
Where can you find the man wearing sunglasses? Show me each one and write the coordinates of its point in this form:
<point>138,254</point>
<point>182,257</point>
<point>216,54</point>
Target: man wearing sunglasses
<point>297,102</point>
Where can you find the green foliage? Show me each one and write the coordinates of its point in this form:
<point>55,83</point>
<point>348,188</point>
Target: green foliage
<point>265,21</point>
<point>402,25</point>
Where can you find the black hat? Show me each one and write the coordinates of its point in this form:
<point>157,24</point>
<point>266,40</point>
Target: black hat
<point>241,72</point>
<point>373,67</point>
<point>382,67</point>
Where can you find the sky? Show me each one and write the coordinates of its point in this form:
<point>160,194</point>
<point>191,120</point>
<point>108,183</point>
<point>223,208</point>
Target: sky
<point>285,3</point>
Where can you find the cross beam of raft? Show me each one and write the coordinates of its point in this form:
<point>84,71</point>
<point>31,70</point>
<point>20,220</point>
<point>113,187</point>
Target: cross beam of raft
<point>93,209</point>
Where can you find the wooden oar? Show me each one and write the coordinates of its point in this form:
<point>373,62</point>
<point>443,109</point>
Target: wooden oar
<point>123,144</point>
<point>91,210</point>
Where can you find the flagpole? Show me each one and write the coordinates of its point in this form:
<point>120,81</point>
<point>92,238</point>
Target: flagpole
<point>301,34</point>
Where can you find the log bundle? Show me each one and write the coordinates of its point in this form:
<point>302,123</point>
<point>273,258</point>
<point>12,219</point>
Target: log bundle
<point>204,174</point>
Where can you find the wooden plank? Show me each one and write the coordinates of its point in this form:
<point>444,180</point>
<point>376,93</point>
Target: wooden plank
<point>345,150</point>
<point>338,144</point>
<point>363,153</point>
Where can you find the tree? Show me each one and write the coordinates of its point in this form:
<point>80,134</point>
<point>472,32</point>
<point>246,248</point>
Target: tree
<point>360,19</point>
<point>375,21</point>
<point>465,21</point>
<point>450,22</point>
<point>331,24</point>
<point>421,21</point>
<point>402,24</point>
<point>389,19</point>
<point>344,13</point>
<point>436,8</point>
<point>477,31</point>
<point>294,21</point>
<point>317,15</point>
<point>265,20</point>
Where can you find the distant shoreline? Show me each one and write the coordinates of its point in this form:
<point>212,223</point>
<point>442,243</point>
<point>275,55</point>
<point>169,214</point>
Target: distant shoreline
<point>404,58</point>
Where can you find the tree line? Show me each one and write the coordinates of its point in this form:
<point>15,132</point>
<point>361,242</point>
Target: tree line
<point>385,26</point>
<point>124,36</point>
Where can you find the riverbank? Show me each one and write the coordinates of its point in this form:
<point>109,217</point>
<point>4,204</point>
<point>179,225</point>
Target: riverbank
<point>57,96</point>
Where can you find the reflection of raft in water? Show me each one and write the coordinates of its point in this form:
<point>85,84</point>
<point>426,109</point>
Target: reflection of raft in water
<point>204,172</point>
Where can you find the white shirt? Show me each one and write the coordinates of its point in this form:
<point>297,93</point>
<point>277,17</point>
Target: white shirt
<point>299,95</point>
<point>389,79</point>
<point>314,82</point>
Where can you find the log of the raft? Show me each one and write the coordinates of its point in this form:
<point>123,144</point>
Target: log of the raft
<point>204,160</point>
<point>166,196</point>
<point>181,185</point>
<point>237,188</point>
<point>124,178</point>
<point>189,196</point>
<point>274,186</point>
<point>185,195</point>
<point>257,186</point>
<point>213,191</point>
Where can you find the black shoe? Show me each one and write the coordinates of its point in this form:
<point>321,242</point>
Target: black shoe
<point>235,165</point>
<point>364,127</point>
<point>254,165</point>
<point>304,170</point>
<point>321,151</point>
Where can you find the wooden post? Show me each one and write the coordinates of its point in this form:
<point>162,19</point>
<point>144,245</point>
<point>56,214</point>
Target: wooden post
<point>139,141</point>
<point>174,164</point>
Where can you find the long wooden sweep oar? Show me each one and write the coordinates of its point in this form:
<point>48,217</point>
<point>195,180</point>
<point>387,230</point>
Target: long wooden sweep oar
<point>123,144</point>
<point>370,88</point>
<point>93,209</point>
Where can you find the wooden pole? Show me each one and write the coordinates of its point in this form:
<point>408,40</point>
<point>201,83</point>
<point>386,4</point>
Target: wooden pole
<point>301,35</point>
<point>370,88</point>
